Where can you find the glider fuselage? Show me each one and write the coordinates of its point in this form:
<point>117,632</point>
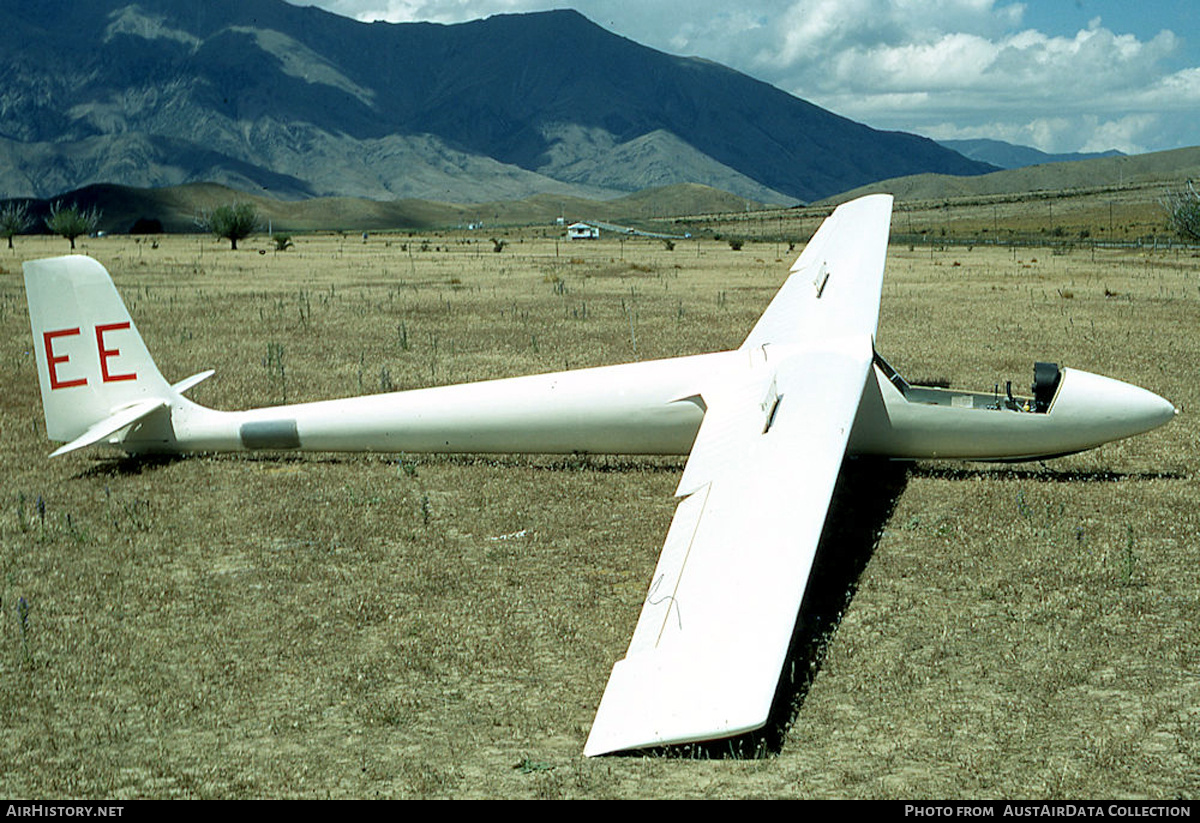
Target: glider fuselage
<point>656,407</point>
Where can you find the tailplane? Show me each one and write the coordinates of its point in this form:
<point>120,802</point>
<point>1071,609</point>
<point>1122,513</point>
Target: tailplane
<point>96,375</point>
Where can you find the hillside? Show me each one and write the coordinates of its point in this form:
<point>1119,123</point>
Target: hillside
<point>1009,156</point>
<point>176,208</point>
<point>1108,172</point>
<point>1101,201</point>
<point>292,102</point>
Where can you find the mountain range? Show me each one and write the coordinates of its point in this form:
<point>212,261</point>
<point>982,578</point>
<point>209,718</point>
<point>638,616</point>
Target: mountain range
<point>1009,156</point>
<point>293,102</point>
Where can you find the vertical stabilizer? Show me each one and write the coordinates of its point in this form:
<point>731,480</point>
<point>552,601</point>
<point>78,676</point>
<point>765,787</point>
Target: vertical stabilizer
<point>93,368</point>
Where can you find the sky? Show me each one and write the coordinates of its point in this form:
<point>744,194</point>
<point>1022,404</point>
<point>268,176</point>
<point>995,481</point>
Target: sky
<point>1058,75</point>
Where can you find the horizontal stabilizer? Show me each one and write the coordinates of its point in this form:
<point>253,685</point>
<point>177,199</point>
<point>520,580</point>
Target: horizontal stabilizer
<point>111,425</point>
<point>187,382</point>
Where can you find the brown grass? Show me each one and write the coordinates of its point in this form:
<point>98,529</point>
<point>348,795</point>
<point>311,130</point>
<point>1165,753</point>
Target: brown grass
<point>1077,218</point>
<point>404,626</point>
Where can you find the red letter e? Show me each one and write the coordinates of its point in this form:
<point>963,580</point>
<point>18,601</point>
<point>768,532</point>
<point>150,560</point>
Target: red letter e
<point>107,353</point>
<point>53,360</point>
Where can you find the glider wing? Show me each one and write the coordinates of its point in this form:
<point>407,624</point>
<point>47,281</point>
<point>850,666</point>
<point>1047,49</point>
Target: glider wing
<point>705,657</point>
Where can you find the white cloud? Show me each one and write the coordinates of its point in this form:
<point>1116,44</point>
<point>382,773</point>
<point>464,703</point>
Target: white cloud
<point>965,64</point>
<point>1180,90</point>
<point>1125,133</point>
<point>926,66</point>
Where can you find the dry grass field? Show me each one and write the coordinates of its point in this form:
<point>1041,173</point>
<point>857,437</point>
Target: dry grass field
<point>423,626</point>
<point>1129,213</point>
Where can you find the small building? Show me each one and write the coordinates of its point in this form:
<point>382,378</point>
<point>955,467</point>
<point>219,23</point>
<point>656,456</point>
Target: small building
<point>582,231</point>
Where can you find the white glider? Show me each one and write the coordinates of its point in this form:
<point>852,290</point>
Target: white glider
<point>766,427</point>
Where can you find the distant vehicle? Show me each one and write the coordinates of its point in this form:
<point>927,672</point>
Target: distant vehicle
<point>766,427</point>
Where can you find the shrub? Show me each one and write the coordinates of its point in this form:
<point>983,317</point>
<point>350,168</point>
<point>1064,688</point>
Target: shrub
<point>1183,211</point>
<point>230,222</point>
<point>14,219</point>
<point>71,221</point>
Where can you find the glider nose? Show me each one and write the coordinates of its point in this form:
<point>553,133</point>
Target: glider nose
<point>1142,410</point>
<point>1112,409</point>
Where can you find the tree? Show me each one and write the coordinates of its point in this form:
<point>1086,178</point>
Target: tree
<point>71,221</point>
<point>14,219</point>
<point>231,222</point>
<point>1183,211</point>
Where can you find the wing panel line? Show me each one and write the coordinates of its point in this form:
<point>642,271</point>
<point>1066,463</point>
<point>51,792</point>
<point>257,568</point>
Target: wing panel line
<point>682,567</point>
